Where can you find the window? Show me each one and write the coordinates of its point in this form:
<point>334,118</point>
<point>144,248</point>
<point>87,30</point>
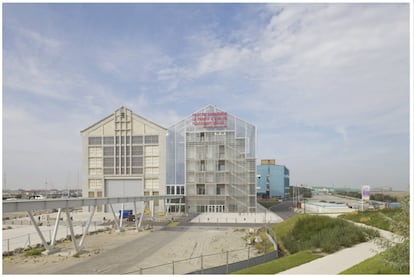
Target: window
<point>137,161</point>
<point>221,165</point>
<point>202,165</point>
<point>137,140</point>
<point>201,136</point>
<point>108,162</point>
<point>201,189</point>
<point>220,189</point>
<point>137,150</point>
<point>108,151</point>
<point>108,140</point>
<point>91,194</point>
<point>137,170</point>
<point>108,171</point>
<point>151,139</point>
<point>221,151</point>
<point>95,140</point>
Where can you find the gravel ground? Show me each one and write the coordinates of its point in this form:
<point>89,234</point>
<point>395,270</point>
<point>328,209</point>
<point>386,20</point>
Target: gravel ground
<point>114,252</point>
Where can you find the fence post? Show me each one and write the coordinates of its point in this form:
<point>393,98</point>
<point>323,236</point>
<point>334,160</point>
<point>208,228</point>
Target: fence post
<point>201,263</point>
<point>248,255</point>
<point>28,235</point>
<point>50,237</point>
<point>227,262</point>
<point>173,267</point>
<point>8,245</point>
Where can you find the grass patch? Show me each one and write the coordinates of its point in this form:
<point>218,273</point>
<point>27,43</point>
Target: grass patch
<point>34,251</point>
<point>374,265</point>
<point>281,264</point>
<point>325,233</point>
<point>379,219</point>
<point>239,230</point>
<point>284,228</point>
<point>311,232</point>
<point>268,204</point>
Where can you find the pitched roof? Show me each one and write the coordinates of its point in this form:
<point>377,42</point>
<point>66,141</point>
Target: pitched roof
<point>122,107</point>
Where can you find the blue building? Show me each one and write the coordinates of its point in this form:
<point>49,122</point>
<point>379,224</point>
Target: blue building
<point>272,180</point>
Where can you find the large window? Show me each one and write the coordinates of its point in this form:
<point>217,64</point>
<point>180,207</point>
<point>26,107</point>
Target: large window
<point>108,140</point>
<point>175,190</point>
<point>151,139</point>
<point>95,140</point>
<point>137,140</point>
<point>201,189</point>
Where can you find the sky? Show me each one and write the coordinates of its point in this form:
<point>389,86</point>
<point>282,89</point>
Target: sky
<point>326,85</point>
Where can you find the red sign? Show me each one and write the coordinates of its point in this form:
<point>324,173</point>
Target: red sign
<point>210,119</point>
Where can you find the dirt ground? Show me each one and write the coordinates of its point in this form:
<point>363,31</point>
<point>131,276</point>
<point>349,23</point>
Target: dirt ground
<point>185,243</point>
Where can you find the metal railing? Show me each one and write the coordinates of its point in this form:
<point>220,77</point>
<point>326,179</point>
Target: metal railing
<point>216,263</point>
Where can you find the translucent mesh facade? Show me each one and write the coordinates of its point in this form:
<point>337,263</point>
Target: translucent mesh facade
<point>212,153</point>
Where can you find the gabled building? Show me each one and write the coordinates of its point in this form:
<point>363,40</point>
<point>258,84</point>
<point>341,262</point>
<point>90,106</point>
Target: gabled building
<point>124,154</point>
<point>211,158</point>
<point>208,157</point>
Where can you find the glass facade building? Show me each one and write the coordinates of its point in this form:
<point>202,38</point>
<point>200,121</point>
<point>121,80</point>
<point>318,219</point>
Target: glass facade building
<point>273,180</point>
<point>211,159</point>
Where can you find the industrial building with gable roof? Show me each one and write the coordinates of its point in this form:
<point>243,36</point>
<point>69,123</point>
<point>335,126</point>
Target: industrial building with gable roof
<point>209,157</point>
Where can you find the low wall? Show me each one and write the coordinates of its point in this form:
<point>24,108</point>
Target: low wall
<point>312,207</point>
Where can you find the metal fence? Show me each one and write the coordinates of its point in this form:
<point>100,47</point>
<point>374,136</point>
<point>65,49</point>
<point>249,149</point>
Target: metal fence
<point>221,262</point>
<point>232,267</point>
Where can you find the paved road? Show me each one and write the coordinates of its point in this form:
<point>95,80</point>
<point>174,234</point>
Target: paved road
<point>284,209</point>
<point>126,257</point>
<point>337,262</point>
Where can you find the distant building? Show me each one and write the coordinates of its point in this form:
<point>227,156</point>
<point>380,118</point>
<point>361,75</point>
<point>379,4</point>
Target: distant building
<point>272,180</point>
<point>123,154</point>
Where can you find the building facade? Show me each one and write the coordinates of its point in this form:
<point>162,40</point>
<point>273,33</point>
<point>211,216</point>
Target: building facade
<point>211,160</point>
<point>209,157</point>
<point>272,180</point>
<point>124,154</point>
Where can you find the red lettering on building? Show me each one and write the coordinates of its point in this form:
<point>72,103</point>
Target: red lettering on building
<point>210,119</point>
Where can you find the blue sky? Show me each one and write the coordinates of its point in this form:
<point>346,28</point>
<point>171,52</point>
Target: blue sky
<point>327,85</point>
